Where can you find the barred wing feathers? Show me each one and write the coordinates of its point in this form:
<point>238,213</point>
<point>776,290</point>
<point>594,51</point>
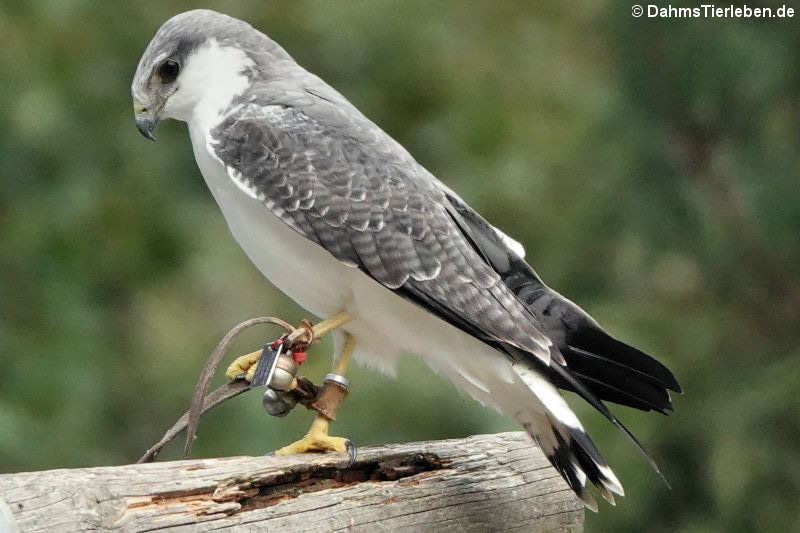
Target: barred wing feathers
<point>347,186</point>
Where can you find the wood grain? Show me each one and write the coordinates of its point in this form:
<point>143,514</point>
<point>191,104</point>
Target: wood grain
<point>483,483</point>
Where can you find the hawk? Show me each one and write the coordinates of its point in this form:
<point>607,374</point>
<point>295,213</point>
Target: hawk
<point>342,219</point>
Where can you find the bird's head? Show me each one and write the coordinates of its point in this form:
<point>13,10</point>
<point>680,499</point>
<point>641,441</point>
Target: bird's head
<point>195,65</point>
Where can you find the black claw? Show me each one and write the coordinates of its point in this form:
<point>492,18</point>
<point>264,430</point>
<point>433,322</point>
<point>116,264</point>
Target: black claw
<point>352,451</point>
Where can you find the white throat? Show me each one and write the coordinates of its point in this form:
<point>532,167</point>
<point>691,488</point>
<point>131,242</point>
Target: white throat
<point>211,78</point>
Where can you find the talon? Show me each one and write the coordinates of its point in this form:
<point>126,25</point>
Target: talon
<point>352,451</point>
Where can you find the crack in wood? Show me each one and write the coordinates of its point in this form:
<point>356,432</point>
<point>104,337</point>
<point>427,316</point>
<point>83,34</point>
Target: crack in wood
<point>326,477</point>
<point>246,495</point>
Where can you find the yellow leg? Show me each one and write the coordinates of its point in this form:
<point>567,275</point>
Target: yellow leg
<point>317,438</point>
<point>245,366</point>
<point>343,361</point>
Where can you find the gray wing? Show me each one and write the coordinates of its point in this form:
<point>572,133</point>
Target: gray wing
<point>340,181</point>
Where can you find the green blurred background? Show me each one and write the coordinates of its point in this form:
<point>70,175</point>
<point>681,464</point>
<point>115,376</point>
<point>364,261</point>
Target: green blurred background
<point>650,168</point>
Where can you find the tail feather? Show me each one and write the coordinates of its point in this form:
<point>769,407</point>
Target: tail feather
<point>563,440</point>
<point>598,404</point>
<point>585,359</point>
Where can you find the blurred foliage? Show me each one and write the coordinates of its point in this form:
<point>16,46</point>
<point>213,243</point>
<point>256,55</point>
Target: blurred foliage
<point>650,167</point>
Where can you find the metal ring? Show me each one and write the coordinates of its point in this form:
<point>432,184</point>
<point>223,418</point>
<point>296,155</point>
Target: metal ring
<point>338,379</point>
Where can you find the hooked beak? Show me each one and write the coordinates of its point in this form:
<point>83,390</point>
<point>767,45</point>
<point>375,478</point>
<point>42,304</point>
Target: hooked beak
<point>146,120</point>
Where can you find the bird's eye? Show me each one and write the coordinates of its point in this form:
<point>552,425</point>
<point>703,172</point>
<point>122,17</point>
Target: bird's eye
<point>168,71</point>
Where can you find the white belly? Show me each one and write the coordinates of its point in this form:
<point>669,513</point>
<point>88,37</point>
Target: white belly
<point>386,325</point>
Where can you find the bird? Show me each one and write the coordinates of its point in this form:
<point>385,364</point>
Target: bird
<point>344,221</point>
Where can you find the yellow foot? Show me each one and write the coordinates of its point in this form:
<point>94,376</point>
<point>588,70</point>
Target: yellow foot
<point>318,440</point>
<point>244,367</point>
<point>316,443</point>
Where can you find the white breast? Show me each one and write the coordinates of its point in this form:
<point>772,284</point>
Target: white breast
<point>282,254</point>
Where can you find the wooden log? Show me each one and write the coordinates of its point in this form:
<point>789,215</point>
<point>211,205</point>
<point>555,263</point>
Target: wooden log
<point>481,483</point>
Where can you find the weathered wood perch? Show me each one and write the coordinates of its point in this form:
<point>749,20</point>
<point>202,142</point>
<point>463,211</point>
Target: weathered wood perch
<point>482,483</point>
